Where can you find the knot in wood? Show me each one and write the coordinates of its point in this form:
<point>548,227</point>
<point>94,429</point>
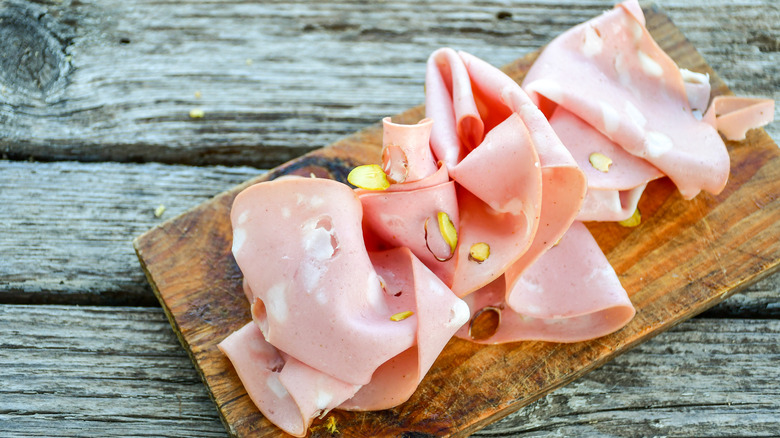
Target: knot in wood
<point>32,58</point>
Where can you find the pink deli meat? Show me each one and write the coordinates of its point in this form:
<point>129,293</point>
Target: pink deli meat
<point>570,294</point>
<point>504,179</point>
<point>353,294</point>
<point>632,93</point>
<point>322,333</point>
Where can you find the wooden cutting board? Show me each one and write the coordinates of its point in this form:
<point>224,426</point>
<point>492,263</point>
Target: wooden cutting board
<point>685,257</point>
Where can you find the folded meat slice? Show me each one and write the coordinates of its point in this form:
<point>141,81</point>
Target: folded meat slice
<point>406,214</point>
<point>613,190</point>
<point>287,392</point>
<point>307,233</point>
<point>438,314</point>
<point>508,164</point>
<point>627,88</point>
<point>331,321</point>
<point>734,116</point>
<point>570,294</point>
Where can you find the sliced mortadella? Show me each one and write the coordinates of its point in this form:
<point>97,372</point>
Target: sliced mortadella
<point>287,392</point>
<point>498,195</point>
<point>519,170</point>
<point>291,393</point>
<point>438,314</point>
<point>449,102</point>
<point>735,116</point>
<point>317,296</point>
<point>613,190</point>
<point>632,92</point>
<point>408,218</point>
<point>499,201</point>
<point>406,155</point>
<point>570,294</point>
<point>563,184</point>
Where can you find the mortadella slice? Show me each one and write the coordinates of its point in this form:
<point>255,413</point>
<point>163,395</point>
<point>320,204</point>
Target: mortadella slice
<point>632,92</point>
<point>438,315</point>
<point>263,371</point>
<point>333,325</point>
<point>735,116</point>
<point>493,203</point>
<point>308,233</point>
<point>502,152</point>
<point>406,154</point>
<point>553,200</point>
<point>613,191</point>
<point>570,294</point>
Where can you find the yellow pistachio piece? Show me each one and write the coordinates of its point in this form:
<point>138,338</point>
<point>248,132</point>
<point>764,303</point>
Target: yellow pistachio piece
<point>633,221</point>
<point>369,177</point>
<point>400,316</point>
<point>159,210</point>
<point>600,161</point>
<point>479,252</point>
<point>197,113</point>
<point>448,231</point>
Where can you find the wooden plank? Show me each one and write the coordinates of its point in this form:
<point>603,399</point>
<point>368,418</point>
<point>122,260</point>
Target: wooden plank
<point>97,371</point>
<point>686,257</point>
<point>108,80</point>
<point>95,379</point>
<point>676,384</point>
<point>66,228</point>
<point>62,244</point>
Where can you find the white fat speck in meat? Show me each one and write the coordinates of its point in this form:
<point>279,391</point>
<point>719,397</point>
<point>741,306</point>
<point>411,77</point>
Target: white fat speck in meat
<point>693,77</point>
<point>635,115</point>
<point>636,29</point>
<point>513,206</point>
<point>310,274</point>
<point>611,117</point>
<point>531,286</point>
<point>547,88</point>
<point>459,314</point>
<point>657,143</point>
<point>375,294</point>
<point>276,302</point>
<point>242,218</point>
<point>239,237</point>
<point>276,386</point>
<point>649,65</point>
<point>592,44</point>
<point>323,399</point>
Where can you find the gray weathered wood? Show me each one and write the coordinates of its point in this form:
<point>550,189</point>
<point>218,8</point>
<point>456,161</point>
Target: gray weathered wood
<point>702,378</point>
<point>66,230</point>
<point>109,80</point>
<point>69,371</point>
<point>97,371</point>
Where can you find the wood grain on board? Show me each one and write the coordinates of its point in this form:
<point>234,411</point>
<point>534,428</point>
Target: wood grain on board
<point>685,257</point>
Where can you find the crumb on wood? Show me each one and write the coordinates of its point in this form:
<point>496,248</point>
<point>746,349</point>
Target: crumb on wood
<point>197,113</point>
<point>159,210</point>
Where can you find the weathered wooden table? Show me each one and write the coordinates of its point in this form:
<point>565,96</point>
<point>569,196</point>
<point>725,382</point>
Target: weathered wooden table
<point>96,135</point>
